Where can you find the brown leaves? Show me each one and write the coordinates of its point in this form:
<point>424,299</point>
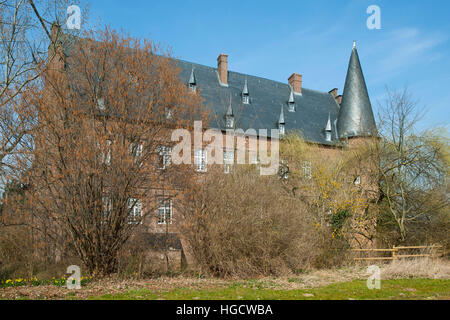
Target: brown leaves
<point>103,118</point>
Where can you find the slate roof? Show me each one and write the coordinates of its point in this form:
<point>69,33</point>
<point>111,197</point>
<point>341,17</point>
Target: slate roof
<point>312,108</point>
<point>266,99</point>
<point>356,116</point>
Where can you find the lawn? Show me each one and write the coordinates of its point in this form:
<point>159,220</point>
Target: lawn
<point>249,290</point>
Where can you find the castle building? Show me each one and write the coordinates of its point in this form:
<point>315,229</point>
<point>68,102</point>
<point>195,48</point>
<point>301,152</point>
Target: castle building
<point>243,101</point>
<point>237,100</point>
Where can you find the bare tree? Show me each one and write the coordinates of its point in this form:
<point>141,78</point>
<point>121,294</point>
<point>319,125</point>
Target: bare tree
<point>412,163</point>
<point>102,120</point>
<point>25,41</point>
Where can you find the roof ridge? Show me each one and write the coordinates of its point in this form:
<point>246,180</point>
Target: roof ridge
<point>249,75</point>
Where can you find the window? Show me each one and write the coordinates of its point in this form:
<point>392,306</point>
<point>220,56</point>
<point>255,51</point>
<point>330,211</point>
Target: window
<point>193,87</point>
<point>281,129</point>
<point>291,107</point>
<point>136,211</point>
<point>136,149</point>
<point>164,211</point>
<point>164,157</point>
<point>357,180</point>
<point>200,160</point>
<point>106,154</point>
<point>101,104</point>
<point>306,169</point>
<point>169,114</point>
<point>230,122</point>
<point>245,99</point>
<point>228,160</point>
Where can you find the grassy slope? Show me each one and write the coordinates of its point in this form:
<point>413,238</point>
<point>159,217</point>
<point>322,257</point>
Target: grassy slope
<point>390,289</point>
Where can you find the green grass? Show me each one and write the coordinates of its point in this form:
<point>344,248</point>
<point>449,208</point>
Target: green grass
<point>249,290</point>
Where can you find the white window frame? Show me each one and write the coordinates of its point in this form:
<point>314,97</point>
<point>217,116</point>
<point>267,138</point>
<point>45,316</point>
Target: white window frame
<point>164,157</point>
<point>106,156</point>
<point>245,99</point>
<point>193,87</point>
<point>230,122</point>
<point>200,160</point>
<point>291,107</point>
<point>162,207</point>
<point>228,160</point>
<point>139,150</point>
<point>281,129</point>
<point>136,211</point>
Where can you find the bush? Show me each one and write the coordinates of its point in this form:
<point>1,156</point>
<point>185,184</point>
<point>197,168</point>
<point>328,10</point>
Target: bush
<point>246,225</point>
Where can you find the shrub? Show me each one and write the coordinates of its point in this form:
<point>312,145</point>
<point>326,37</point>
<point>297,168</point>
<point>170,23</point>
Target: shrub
<point>246,225</point>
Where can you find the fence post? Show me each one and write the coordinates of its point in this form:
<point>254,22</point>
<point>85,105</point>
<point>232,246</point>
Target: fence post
<point>394,253</point>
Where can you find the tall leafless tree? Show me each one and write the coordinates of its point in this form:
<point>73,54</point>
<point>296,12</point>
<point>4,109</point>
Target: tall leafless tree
<point>102,118</point>
<point>25,40</point>
<point>412,163</point>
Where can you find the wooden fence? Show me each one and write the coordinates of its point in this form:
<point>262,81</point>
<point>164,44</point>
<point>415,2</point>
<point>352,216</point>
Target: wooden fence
<point>433,251</point>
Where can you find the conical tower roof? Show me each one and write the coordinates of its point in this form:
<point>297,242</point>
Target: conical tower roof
<point>355,117</point>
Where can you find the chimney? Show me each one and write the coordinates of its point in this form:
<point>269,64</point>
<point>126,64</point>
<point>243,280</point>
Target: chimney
<point>339,99</point>
<point>295,80</point>
<point>55,31</point>
<point>55,53</point>
<point>222,68</point>
<point>333,92</point>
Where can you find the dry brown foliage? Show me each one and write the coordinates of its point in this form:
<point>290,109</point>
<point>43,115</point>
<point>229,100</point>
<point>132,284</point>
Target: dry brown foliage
<point>103,114</point>
<point>243,224</point>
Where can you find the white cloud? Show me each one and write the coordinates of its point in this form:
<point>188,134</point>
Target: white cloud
<point>404,48</point>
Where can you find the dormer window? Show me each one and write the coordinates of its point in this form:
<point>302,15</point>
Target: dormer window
<point>281,129</point>
<point>291,107</point>
<point>229,116</point>
<point>192,83</point>
<point>193,87</point>
<point>291,102</point>
<point>230,122</point>
<point>245,94</point>
<point>281,123</point>
<point>328,129</point>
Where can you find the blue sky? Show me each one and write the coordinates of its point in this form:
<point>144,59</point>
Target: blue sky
<point>273,39</point>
